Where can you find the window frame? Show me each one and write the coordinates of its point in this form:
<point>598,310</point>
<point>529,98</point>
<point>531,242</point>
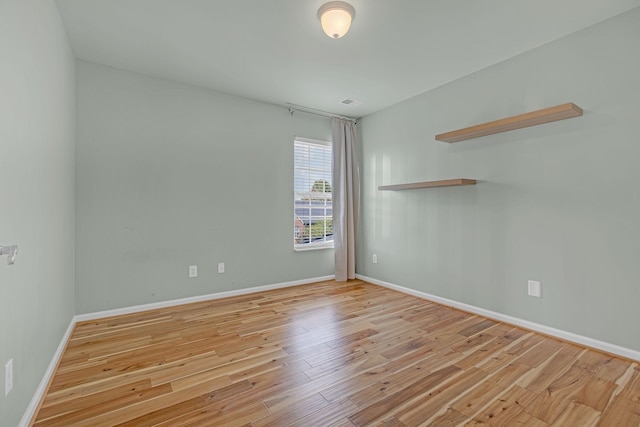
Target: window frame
<point>301,247</point>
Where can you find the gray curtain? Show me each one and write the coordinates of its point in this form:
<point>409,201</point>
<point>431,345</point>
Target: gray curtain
<point>346,197</point>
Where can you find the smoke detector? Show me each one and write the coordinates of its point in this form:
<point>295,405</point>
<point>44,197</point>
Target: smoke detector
<point>351,102</point>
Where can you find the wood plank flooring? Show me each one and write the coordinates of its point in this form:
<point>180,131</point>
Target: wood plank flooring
<point>330,354</point>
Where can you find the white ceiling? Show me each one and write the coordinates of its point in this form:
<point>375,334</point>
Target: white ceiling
<point>275,50</point>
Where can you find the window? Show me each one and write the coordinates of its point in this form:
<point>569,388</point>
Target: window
<point>313,221</point>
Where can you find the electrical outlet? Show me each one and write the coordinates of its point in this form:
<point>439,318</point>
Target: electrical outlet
<point>535,289</point>
<point>8,377</point>
<point>221,267</point>
<point>193,271</point>
<point>374,258</point>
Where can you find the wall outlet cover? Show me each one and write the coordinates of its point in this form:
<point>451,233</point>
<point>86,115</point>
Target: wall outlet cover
<point>221,267</point>
<point>193,271</point>
<point>535,289</point>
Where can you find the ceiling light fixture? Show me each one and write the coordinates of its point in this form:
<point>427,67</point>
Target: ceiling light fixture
<point>336,17</point>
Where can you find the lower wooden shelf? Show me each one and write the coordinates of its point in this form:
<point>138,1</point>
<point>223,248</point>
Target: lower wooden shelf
<point>428,184</point>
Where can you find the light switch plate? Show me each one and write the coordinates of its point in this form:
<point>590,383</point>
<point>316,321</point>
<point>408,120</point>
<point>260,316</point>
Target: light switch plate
<point>8,377</point>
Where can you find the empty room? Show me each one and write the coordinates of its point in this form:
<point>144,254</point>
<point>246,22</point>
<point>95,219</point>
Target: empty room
<point>311,213</point>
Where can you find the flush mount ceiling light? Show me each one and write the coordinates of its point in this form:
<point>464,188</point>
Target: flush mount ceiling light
<point>336,17</point>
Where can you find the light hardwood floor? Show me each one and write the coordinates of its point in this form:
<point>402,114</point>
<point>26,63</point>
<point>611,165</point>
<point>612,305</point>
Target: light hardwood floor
<point>331,354</point>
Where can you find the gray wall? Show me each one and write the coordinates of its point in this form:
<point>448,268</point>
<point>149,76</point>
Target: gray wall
<point>37,128</point>
<point>170,175</point>
<point>557,203</point>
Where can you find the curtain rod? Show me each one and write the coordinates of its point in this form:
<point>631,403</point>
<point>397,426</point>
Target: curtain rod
<point>313,112</point>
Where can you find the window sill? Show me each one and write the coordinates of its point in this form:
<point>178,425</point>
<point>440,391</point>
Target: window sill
<point>313,247</point>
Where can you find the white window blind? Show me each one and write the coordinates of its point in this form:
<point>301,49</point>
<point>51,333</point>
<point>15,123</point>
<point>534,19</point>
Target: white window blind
<point>313,222</point>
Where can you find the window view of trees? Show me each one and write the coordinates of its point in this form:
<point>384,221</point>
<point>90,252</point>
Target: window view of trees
<point>321,186</point>
<point>317,230</point>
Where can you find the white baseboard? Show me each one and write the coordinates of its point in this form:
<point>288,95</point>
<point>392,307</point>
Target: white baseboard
<point>199,298</point>
<point>42,387</point>
<point>547,330</point>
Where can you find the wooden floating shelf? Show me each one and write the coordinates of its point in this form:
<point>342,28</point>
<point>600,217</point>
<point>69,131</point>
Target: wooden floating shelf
<point>546,115</point>
<point>429,184</point>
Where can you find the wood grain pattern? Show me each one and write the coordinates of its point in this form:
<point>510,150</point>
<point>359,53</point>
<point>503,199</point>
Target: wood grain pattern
<point>538,117</point>
<point>456,182</point>
<point>330,354</point>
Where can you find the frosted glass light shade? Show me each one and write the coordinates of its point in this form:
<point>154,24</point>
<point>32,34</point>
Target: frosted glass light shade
<point>336,17</point>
